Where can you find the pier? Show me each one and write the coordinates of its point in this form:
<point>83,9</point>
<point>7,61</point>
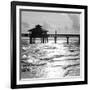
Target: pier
<point>67,36</point>
<point>39,32</point>
<point>55,36</point>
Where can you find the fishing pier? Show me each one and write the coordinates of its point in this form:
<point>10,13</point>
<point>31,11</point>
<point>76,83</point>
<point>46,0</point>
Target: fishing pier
<point>38,32</point>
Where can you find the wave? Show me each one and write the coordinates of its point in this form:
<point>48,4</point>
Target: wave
<point>44,59</point>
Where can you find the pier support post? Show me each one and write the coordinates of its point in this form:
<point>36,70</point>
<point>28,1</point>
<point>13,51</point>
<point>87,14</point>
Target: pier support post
<point>43,40</point>
<point>30,40</point>
<point>55,37</point>
<point>67,39</point>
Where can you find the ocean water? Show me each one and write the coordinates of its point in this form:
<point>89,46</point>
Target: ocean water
<point>50,60</point>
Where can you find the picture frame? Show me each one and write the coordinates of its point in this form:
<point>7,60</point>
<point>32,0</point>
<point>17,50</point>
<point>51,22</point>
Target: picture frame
<point>30,12</point>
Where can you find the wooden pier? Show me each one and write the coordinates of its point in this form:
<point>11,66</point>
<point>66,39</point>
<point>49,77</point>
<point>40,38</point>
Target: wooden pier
<point>68,36</point>
<point>39,32</point>
<point>55,36</point>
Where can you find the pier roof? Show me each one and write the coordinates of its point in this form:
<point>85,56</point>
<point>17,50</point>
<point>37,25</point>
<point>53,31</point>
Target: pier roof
<point>38,28</point>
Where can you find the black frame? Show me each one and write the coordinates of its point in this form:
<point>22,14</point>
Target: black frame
<point>13,44</point>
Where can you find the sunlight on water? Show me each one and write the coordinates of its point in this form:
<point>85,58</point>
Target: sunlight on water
<point>50,60</point>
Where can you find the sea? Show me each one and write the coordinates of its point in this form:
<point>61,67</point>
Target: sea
<point>50,60</point>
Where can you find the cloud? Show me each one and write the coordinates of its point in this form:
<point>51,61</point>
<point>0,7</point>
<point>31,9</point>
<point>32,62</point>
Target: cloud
<point>50,27</point>
<point>76,21</point>
<point>62,22</point>
<point>25,26</point>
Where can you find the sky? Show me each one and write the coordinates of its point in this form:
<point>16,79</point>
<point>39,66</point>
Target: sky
<point>63,23</point>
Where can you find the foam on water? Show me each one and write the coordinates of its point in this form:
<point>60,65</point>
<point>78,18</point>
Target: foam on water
<point>51,60</point>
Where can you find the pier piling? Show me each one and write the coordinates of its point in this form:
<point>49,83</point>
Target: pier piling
<point>67,40</point>
<point>30,40</point>
<point>55,37</point>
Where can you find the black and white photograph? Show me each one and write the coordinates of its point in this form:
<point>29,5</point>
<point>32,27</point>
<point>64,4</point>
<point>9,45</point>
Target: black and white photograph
<point>49,44</point>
